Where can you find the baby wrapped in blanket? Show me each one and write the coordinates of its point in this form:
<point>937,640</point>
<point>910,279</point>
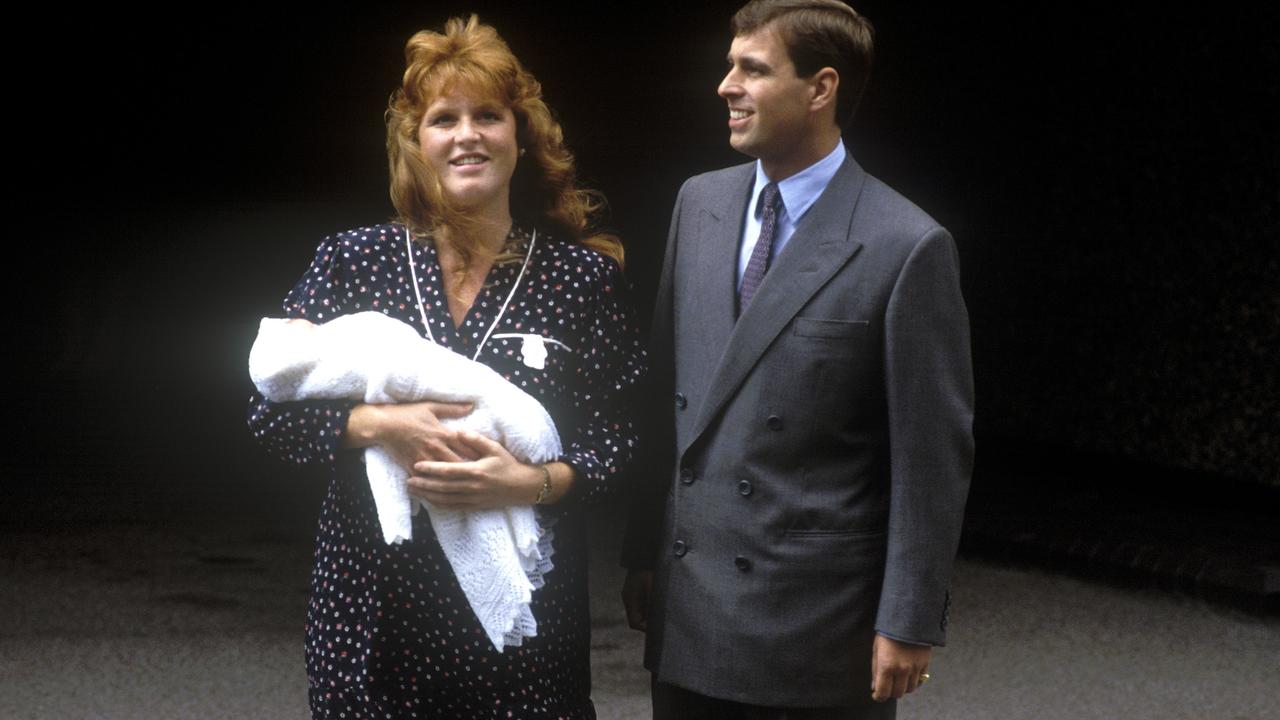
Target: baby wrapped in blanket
<point>497,555</point>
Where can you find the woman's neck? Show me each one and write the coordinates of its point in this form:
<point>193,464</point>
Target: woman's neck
<point>465,261</point>
<point>491,233</point>
<point>483,236</point>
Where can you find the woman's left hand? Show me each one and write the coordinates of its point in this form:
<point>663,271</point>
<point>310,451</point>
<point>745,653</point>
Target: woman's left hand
<point>494,479</point>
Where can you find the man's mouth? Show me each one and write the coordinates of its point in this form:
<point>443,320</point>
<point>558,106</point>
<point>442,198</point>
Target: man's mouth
<point>736,114</point>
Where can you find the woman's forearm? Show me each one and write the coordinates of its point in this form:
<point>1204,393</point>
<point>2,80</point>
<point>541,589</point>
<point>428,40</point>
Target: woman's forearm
<point>562,477</point>
<point>363,426</point>
<point>305,433</point>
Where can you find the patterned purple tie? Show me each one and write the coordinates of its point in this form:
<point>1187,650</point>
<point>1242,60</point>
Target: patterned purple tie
<point>758,265</point>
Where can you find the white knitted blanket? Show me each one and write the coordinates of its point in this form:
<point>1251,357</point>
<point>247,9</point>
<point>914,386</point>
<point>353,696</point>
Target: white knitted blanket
<point>499,556</point>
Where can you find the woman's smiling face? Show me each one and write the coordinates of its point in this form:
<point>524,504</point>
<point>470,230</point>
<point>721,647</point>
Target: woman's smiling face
<point>470,144</point>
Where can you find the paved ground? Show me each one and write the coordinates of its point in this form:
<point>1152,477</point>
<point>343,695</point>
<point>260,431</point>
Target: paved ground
<point>202,619</point>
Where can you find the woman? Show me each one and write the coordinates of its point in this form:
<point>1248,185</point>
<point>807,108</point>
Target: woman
<point>491,255</point>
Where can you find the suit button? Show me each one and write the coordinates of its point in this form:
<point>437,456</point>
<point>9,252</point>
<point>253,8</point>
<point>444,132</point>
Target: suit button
<point>681,401</point>
<point>686,476</point>
<point>774,422</point>
<point>744,488</point>
<point>742,563</point>
<point>680,548</point>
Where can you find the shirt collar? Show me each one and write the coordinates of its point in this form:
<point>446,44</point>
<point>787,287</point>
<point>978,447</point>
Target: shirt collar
<point>800,191</point>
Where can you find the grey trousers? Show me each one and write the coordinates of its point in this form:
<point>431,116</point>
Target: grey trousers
<point>675,703</point>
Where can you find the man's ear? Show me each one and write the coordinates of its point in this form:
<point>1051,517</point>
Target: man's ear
<point>823,88</point>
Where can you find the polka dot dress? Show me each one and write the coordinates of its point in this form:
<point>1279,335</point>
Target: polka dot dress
<point>389,633</point>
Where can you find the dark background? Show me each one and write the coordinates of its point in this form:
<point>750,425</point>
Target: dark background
<point>1111,175</point>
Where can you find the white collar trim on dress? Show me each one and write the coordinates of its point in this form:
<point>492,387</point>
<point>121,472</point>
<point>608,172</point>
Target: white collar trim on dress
<point>422,309</point>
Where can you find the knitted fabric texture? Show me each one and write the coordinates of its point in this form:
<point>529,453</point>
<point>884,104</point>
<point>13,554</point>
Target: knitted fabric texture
<point>498,556</point>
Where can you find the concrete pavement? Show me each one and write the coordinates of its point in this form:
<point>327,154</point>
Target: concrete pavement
<point>202,618</point>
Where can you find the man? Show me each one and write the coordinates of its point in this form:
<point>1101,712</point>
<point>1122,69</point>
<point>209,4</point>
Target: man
<point>792,556</point>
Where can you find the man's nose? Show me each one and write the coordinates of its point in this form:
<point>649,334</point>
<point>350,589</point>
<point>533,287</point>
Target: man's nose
<point>729,86</point>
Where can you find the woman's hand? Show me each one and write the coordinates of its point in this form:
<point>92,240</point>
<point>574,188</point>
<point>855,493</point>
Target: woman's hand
<point>494,479</point>
<point>409,431</point>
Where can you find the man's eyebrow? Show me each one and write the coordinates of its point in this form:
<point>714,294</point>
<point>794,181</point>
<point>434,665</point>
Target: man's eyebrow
<point>748,63</point>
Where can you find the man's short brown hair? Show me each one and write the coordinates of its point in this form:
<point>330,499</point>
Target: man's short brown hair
<point>818,34</point>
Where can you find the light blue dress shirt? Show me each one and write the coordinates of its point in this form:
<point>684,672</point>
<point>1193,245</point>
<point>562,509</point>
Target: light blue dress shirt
<point>798,192</point>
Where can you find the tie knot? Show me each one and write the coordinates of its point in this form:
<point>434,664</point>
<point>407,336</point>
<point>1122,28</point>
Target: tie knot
<point>769,197</point>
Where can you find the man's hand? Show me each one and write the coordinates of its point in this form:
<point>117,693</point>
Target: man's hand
<point>896,667</point>
<point>637,590</point>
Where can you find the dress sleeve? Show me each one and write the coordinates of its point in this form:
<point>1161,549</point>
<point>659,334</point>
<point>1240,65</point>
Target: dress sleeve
<point>609,368</point>
<point>307,432</point>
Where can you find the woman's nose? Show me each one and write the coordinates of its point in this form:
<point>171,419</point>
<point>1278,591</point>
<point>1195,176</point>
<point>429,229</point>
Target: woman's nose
<point>467,130</point>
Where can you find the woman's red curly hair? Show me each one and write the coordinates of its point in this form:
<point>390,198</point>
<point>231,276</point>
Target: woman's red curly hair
<point>544,191</point>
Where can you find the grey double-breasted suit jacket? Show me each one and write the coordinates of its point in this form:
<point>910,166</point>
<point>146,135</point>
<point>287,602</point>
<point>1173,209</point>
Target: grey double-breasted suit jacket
<point>810,458</point>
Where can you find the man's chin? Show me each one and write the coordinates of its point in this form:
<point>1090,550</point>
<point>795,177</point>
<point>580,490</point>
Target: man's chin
<point>742,144</point>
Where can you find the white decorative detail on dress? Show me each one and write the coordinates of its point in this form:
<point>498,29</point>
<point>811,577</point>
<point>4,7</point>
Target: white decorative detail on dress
<point>533,348</point>
<point>422,309</point>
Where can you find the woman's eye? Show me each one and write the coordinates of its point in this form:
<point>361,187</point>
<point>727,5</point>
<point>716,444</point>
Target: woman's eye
<point>440,120</point>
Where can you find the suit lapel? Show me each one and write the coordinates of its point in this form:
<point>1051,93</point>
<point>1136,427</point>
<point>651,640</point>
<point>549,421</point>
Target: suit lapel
<point>820,246</point>
<point>708,313</point>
